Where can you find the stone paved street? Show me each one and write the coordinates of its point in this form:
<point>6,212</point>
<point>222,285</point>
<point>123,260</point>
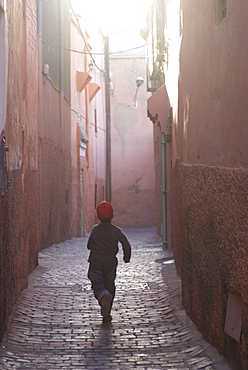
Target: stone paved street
<point>56,323</point>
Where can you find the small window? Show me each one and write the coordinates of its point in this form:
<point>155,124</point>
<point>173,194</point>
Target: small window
<point>83,148</point>
<point>220,10</point>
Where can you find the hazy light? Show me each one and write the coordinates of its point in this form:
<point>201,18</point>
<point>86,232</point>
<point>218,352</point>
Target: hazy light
<point>113,14</point>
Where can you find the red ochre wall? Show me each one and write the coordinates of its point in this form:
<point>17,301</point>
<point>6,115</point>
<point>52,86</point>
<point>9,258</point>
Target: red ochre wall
<point>35,212</point>
<point>55,185</point>
<point>54,170</point>
<point>209,183</point>
<point>132,155</point>
<point>19,206</point>
<point>211,233</point>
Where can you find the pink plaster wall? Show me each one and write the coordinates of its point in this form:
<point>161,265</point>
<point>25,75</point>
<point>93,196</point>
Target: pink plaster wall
<point>77,64</point>
<point>54,166</point>
<point>91,189</point>
<point>55,186</point>
<point>133,194</point>
<point>210,238</point>
<point>210,178</point>
<point>96,153</point>
<point>213,85</point>
<point>19,241</point>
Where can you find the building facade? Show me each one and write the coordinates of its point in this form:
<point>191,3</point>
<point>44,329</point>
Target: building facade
<point>52,135</point>
<point>133,191</point>
<point>54,146</point>
<point>88,123</point>
<point>201,77</point>
<point>19,122</point>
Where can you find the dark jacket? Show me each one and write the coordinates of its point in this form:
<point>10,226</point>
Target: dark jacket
<point>103,244</point>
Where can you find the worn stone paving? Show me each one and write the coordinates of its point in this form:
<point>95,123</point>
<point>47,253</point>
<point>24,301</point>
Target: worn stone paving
<point>56,323</point>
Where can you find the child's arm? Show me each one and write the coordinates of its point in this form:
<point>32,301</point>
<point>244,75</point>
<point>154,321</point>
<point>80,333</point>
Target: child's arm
<point>89,243</point>
<point>90,240</point>
<point>126,246</point>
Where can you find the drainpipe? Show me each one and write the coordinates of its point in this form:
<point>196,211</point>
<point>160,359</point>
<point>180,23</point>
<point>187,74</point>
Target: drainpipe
<point>39,26</point>
<point>61,68</point>
<point>108,124</point>
<point>40,18</point>
<point>61,45</point>
<point>61,62</point>
<point>40,116</point>
<point>164,204</point>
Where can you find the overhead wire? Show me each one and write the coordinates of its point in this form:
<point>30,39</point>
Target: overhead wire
<point>88,52</point>
<point>96,53</point>
<point>85,41</point>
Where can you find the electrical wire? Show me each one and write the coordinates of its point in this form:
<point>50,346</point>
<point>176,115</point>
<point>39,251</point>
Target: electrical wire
<point>53,47</point>
<point>95,53</point>
<point>85,42</point>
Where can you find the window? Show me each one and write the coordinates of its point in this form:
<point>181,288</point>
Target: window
<point>84,140</point>
<point>220,10</point>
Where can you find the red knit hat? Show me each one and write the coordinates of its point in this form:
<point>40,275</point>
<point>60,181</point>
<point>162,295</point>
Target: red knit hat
<point>105,210</point>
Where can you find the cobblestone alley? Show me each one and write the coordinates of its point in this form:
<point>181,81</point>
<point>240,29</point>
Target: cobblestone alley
<point>56,323</point>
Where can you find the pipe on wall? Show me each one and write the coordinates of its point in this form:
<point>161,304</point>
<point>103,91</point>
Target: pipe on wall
<point>163,190</point>
<point>108,122</point>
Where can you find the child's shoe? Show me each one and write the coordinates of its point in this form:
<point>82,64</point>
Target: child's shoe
<point>106,303</point>
<point>107,319</point>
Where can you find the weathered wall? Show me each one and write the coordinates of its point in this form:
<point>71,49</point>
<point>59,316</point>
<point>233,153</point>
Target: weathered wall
<point>55,189</point>
<point>54,169</point>
<point>211,238</point>
<point>88,168</point>
<point>19,207</point>
<point>133,190</point>
<point>213,85</point>
<point>96,148</point>
<point>209,158</point>
<point>77,64</point>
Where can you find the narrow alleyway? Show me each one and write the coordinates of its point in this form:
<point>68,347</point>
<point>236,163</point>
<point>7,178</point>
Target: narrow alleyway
<point>56,323</point>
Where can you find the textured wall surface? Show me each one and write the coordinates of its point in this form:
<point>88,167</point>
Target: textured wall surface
<point>211,233</point>
<point>209,162</point>
<point>55,193</point>
<point>88,170</point>
<point>18,208</point>
<point>55,185</point>
<point>35,212</point>
<point>133,190</point>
